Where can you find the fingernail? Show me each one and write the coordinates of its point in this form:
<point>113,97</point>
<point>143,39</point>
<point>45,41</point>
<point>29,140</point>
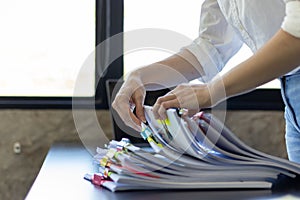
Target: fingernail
<point>144,120</point>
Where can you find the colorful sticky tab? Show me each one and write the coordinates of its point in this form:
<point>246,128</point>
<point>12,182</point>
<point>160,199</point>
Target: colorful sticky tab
<point>106,173</point>
<point>97,179</point>
<point>146,131</point>
<point>111,153</point>
<point>104,161</point>
<point>123,143</point>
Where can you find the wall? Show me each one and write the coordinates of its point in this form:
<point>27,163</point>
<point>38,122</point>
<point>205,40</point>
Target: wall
<point>36,130</point>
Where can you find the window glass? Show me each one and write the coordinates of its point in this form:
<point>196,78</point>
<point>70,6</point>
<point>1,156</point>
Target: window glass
<point>43,46</point>
<point>181,16</point>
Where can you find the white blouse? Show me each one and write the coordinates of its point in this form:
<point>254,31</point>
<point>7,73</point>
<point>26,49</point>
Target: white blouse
<point>226,24</point>
<point>291,23</point>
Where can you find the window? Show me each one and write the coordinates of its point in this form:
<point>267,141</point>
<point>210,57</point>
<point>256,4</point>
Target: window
<point>44,45</point>
<point>183,17</point>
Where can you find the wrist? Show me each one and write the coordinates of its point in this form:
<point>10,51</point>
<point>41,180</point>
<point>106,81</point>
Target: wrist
<point>216,89</point>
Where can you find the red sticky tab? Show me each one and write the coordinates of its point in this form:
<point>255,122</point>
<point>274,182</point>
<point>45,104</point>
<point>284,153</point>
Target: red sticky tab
<point>97,179</point>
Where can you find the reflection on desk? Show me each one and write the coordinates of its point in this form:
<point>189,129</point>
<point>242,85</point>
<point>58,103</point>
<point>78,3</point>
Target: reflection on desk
<point>61,177</point>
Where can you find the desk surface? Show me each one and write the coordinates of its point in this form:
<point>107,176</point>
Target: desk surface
<point>61,177</point>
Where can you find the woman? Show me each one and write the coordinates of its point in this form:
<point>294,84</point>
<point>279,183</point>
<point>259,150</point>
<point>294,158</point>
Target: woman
<point>272,34</point>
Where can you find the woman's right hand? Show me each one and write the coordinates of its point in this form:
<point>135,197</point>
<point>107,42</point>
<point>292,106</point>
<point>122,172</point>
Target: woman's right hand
<point>131,96</point>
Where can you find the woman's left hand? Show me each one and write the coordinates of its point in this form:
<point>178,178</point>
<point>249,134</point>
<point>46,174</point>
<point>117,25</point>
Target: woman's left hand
<point>192,97</point>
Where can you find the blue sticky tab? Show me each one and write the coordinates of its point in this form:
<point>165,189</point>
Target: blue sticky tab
<point>146,131</point>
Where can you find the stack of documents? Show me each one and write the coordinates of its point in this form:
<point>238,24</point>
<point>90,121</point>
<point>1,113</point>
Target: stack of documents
<point>188,153</point>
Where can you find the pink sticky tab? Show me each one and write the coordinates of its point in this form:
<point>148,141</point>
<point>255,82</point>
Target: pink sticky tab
<point>97,179</point>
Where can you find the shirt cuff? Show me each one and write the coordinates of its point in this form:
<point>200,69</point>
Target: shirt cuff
<point>291,23</point>
<point>208,57</point>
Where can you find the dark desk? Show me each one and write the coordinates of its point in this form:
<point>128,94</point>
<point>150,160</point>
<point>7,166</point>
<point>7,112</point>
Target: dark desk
<point>61,177</point>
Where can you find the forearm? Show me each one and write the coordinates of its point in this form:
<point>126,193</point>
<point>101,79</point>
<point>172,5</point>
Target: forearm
<point>279,56</point>
<point>179,68</point>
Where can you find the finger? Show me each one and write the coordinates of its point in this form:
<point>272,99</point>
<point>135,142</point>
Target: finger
<point>169,96</point>
<point>155,109</point>
<point>131,120</point>
<point>161,112</point>
<point>135,123</point>
<point>139,109</point>
<point>125,113</point>
<point>159,109</point>
<point>165,106</point>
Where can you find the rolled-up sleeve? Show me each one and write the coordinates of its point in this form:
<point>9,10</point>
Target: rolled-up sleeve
<point>217,41</point>
<point>291,22</point>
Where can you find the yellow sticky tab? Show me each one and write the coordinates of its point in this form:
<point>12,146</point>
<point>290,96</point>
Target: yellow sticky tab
<point>149,139</point>
<point>111,152</point>
<point>103,161</point>
<point>166,121</point>
<point>117,154</point>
